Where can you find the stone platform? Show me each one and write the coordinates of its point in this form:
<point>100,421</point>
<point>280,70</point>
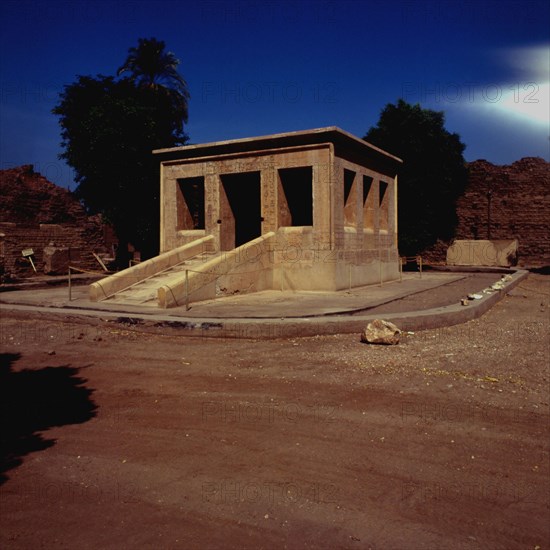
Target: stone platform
<point>283,314</point>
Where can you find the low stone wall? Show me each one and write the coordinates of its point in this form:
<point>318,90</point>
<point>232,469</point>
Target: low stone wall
<point>79,241</point>
<point>37,214</point>
<point>498,253</point>
<point>504,203</point>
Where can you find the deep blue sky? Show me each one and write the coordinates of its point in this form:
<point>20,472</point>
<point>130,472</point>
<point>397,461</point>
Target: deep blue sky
<point>256,68</point>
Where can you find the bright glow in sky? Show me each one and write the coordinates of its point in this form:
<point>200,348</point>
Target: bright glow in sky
<point>527,100</point>
<point>258,68</point>
<point>533,108</point>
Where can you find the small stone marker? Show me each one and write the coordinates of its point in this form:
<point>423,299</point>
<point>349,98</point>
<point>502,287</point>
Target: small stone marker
<point>381,332</point>
<point>28,253</point>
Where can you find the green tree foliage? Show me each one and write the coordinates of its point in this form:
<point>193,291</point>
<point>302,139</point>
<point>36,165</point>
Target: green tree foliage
<point>150,66</point>
<point>109,127</point>
<point>433,175</point>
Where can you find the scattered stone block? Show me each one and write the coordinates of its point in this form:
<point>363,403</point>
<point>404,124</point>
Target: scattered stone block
<point>381,332</point>
<point>56,260</point>
<point>495,253</point>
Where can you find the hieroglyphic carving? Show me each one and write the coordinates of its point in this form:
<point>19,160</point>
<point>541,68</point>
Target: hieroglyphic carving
<point>269,196</point>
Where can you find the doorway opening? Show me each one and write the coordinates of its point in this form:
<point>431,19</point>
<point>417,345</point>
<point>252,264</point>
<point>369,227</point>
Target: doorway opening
<point>295,195</point>
<point>240,207</point>
<point>190,203</point>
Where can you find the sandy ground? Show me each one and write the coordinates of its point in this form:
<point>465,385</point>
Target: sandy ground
<point>116,438</point>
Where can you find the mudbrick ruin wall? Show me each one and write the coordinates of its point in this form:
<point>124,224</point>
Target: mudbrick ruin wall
<point>36,213</point>
<point>505,202</point>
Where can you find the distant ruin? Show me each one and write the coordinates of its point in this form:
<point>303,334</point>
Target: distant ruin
<point>504,203</point>
<point>35,213</point>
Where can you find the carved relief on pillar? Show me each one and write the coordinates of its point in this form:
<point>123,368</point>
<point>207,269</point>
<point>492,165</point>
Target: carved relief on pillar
<point>391,208</point>
<point>268,180</point>
<point>323,176</point>
<point>376,205</point>
<point>169,213</point>
<point>212,205</point>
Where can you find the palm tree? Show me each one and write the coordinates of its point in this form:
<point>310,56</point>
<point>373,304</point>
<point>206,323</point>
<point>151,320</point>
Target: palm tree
<point>151,66</point>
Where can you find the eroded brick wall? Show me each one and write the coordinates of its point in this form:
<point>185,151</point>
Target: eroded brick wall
<point>81,240</point>
<point>34,213</point>
<point>519,196</point>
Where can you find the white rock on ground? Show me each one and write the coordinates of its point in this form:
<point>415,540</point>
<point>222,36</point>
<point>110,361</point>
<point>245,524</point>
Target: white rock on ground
<point>381,332</point>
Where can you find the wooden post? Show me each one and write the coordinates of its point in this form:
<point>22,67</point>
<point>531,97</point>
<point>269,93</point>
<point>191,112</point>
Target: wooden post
<point>27,253</point>
<point>186,290</point>
<point>70,289</point>
<point>100,261</point>
<point>380,264</point>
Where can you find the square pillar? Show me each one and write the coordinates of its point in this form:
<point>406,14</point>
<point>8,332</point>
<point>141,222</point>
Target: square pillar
<point>269,206</point>
<point>212,206</point>
<point>168,214</point>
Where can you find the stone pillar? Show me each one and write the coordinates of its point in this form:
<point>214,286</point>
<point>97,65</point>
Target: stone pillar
<point>161,206</point>
<point>269,206</point>
<point>336,197</point>
<point>169,214</point>
<point>360,223</point>
<point>212,206</point>
<point>395,214</point>
<point>376,208</point>
<point>392,221</point>
<point>357,197</point>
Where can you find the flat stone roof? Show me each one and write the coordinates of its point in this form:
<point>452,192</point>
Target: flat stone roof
<point>344,142</point>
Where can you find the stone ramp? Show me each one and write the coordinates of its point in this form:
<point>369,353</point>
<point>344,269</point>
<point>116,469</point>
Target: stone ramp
<point>190,273</point>
<point>227,272</point>
<point>145,292</point>
<point>141,277</point>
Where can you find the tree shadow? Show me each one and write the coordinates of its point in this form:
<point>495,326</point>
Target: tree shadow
<point>32,401</point>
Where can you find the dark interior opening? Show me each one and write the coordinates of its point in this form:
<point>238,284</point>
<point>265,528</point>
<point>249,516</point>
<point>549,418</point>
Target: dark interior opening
<point>349,177</point>
<point>243,194</point>
<point>367,183</point>
<point>350,198</point>
<point>368,203</point>
<point>383,206</point>
<point>382,192</point>
<point>297,184</point>
<point>190,203</point>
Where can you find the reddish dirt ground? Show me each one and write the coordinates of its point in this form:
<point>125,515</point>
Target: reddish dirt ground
<point>116,438</point>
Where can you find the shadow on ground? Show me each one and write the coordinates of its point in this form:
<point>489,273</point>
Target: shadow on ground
<point>545,270</point>
<point>32,401</point>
